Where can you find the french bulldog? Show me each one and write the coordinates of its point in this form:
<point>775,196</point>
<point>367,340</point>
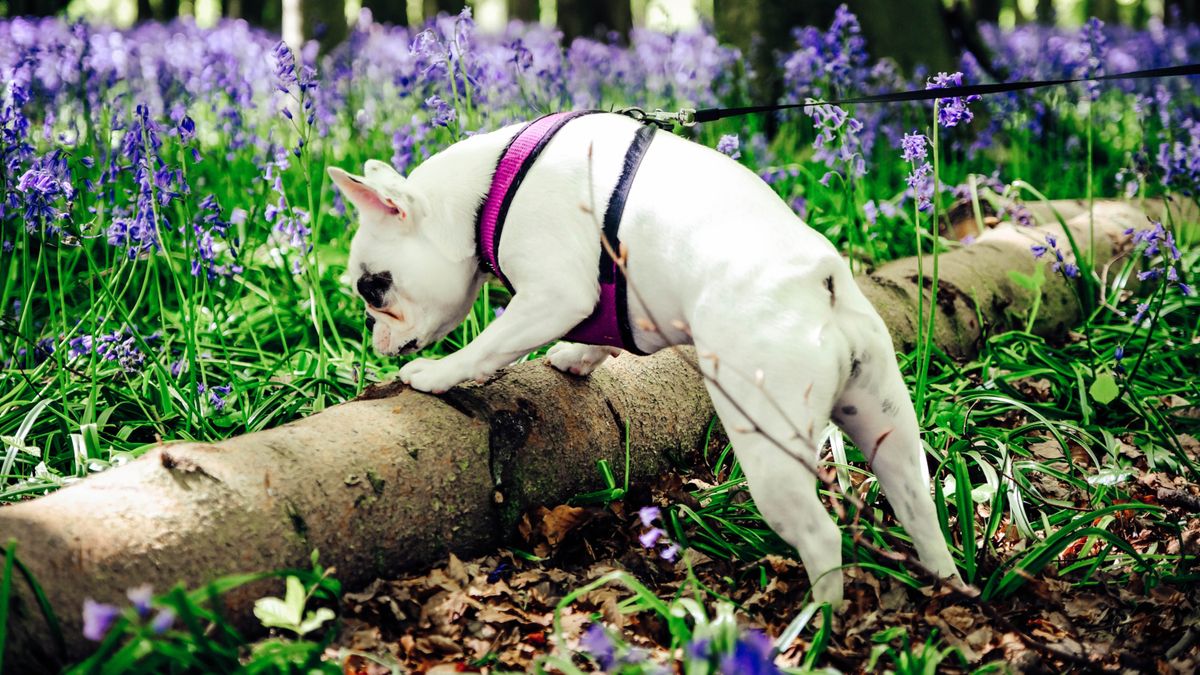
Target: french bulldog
<point>713,257</point>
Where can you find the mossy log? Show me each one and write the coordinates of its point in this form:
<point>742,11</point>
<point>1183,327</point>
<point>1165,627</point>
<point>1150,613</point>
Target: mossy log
<point>398,479</point>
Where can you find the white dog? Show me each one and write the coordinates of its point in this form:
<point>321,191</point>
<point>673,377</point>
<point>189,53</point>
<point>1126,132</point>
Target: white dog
<point>715,258</point>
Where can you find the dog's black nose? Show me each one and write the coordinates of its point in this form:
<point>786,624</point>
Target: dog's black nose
<point>372,287</point>
<point>370,322</point>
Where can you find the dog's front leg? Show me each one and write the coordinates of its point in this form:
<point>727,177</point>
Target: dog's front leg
<point>532,318</point>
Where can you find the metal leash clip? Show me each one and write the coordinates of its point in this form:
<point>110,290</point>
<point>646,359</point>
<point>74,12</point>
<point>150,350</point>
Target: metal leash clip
<point>664,120</point>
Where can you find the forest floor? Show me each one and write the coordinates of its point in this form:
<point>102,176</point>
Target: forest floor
<point>496,613</point>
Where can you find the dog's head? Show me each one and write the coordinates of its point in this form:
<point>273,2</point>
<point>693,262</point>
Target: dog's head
<point>417,278</point>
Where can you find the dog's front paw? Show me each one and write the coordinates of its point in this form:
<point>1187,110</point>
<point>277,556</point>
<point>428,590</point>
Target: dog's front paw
<point>435,376</point>
<point>577,359</point>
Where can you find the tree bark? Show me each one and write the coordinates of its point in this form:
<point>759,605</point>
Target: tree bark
<point>588,18</point>
<point>35,7</point>
<point>434,7</point>
<point>525,10</point>
<point>397,479</point>
<point>394,12</point>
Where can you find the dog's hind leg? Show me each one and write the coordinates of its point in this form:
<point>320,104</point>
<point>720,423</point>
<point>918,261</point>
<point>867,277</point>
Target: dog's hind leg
<point>777,451</point>
<point>578,359</point>
<point>874,409</point>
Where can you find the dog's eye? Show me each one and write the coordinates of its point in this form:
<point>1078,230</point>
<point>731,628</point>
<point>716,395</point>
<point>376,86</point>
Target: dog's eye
<point>372,287</point>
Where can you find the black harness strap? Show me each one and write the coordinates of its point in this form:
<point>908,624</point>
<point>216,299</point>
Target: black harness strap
<point>609,270</point>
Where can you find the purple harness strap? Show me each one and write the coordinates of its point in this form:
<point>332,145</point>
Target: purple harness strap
<point>608,323</point>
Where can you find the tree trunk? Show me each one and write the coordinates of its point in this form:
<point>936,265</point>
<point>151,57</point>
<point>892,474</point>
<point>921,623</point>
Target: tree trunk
<point>1045,13</point>
<point>397,479</point>
<point>525,10</point>
<point>588,18</point>
<point>987,10</point>
<point>265,13</point>
<point>435,7</point>
<point>394,12</point>
<point>35,7</point>
<point>762,29</point>
<point>320,20</point>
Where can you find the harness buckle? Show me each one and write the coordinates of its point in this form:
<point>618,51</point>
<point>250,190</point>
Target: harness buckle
<point>661,118</point>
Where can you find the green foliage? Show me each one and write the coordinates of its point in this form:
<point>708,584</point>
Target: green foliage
<point>201,639</point>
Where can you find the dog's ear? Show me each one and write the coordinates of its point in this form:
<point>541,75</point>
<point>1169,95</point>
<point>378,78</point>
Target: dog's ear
<point>378,195</point>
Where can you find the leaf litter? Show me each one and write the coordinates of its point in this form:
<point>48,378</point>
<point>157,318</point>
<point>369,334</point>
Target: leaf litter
<point>495,613</point>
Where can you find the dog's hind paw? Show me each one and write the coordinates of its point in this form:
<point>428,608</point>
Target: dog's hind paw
<point>578,359</point>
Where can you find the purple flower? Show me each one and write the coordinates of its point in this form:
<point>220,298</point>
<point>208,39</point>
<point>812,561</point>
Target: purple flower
<point>444,114</point>
<point>920,184</point>
<point>837,142</point>
<point>699,650</point>
<point>1038,250</point>
<point>1141,312</point>
<point>596,642</point>
<point>141,596</point>
<point>871,212</point>
<point>669,553</point>
<point>729,145</point>
<point>79,346</point>
<point>914,147</point>
<point>121,346</point>
<point>187,129</point>
<point>752,655</point>
<point>954,110</point>
<point>162,621</point>
<point>217,396</point>
<point>649,514</point>
<point>98,618</point>
<point>285,66</point>
<point>650,537</point>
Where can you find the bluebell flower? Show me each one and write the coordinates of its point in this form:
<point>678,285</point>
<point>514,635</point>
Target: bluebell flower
<point>650,537</point>
<point>285,66</point>
<point>729,145</point>
<point>1141,312</point>
<point>444,114</point>
<point>649,514</point>
<point>596,642</point>
<point>98,618</point>
<point>954,110</point>
<point>162,621</point>
<point>698,650</point>
<point>913,147</point>
<point>217,396</point>
<point>669,552</point>
<point>141,596</point>
<point>79,346</point>
<point>752,655</point>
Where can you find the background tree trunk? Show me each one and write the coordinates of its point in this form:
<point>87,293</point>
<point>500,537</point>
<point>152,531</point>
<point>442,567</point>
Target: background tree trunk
<point>987,10</point>
<point>762,29</point>
<point>397,479</point>
<point>588,18</point>
<point>1045,12</point>
<point>525,10</point>
<point>35,7</point>
<point>394,12</point>
<point>434,7</point>
<point>265,13</point>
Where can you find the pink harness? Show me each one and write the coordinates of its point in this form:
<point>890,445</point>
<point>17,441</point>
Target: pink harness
<point>608,323</point>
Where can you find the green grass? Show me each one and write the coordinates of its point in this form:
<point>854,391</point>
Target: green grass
<point>1023,447</point>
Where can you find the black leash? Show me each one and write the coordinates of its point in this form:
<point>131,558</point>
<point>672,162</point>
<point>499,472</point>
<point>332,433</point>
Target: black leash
<point>691,116</point>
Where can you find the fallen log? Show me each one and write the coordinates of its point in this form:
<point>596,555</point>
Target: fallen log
<point>398,479</point>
